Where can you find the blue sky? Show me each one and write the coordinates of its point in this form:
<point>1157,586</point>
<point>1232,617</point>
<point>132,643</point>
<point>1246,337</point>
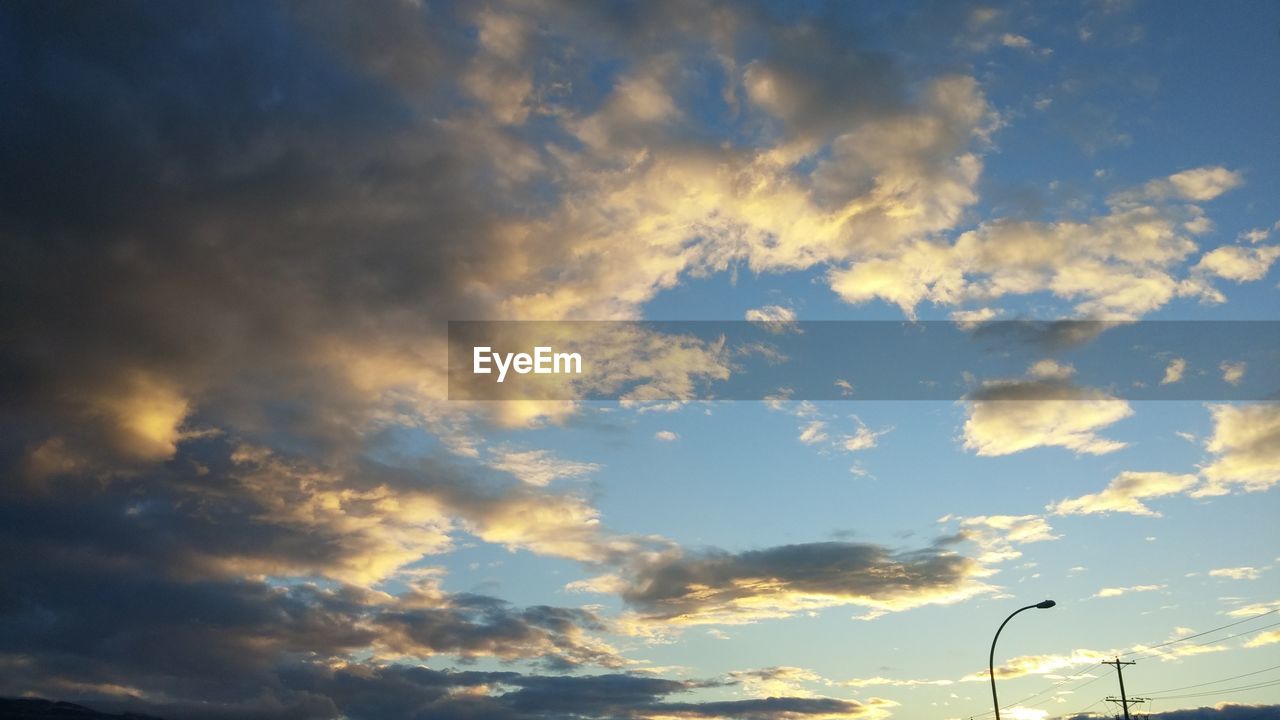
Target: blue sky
<point>235,235</point>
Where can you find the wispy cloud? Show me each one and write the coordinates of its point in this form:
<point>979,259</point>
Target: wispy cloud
<point>1109,592</point>
<point>540,467</point>
<point>1125,493</point>
<point>1236,573</point>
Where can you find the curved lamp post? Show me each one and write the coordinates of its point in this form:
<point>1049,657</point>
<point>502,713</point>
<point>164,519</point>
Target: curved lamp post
<point>991,659</point>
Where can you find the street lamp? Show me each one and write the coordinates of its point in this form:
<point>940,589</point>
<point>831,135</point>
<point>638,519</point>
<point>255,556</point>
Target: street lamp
<point>991,659</point>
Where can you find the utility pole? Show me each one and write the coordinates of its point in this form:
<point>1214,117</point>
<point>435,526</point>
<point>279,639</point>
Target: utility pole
<point>1124,701</point>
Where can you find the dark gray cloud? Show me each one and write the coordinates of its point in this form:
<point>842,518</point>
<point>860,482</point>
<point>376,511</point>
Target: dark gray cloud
<point>153,583</point>
<point>306,689</point>
<point>736,587</point>
<point>229,236</point>
<point>1225,711</point>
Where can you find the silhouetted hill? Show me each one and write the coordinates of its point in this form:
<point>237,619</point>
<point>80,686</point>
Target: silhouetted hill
<point>30,708</point>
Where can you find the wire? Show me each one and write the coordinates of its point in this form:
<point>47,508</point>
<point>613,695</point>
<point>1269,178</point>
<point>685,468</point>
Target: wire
<point>1222,639</point>
<point>1084,709</point>
<point>1201,634</point>
<point>1208,693</point>
<point>1058,684</point>
<point>1211,682</point>
<point>1143,650</point>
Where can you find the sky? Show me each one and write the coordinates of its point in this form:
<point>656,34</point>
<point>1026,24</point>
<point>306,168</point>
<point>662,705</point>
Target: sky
<point>239,480</point>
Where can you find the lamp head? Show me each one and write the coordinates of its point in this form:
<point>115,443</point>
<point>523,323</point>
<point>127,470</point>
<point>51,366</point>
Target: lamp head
<point>1046,604</point>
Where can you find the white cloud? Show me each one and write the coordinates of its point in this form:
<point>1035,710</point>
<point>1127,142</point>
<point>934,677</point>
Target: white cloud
<point>1173,371</point>
<point>1051,369</point>
<point>1232,372</point>
<point>1240,264</point>
<point>1246,443</point>
<point>666,436</point>
<point>539,467</point>
<point>997,535</point>
<point>1236,573</point>
<point>1125,493</point>
<point>969,319</point>
<point>774,318</point>
<point>1010,416</point>
<point>1108,592</point>
<point>778,681</point>
<point>1255,235</point>
<point>1016,41</point>
<point>1255,609</point>
<point>1269,637</point>
<point>878,681</point>
<point>864,438</point>
<point>1195,185</point>
<point>814,432</point>
<point>1038,665</point>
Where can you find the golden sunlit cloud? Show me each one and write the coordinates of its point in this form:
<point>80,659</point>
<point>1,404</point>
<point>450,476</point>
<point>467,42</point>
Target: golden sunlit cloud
<point>1270,637</point>
<point>1038,665</point>
<point>1110,592</point>
<point>1042,410</point>
<point>1236,573</point>
<point>1125,493</point>
<point>1246,445</point>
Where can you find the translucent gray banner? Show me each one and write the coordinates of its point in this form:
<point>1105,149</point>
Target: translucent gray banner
<point>651,362</point>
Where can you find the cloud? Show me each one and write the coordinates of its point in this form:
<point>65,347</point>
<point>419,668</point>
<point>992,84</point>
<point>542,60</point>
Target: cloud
<point>1010,416</point>
<point>539,467</point>
<point>205,398</point>
<point>969,319</point>
<point>1232,372</point>
<point>1109,592</point>
<point>1038,665</point>
<point>1235,573</point>
<point>1015,41</point>
<point>666,436</point>
<point>314,689</point>
<point>1195,185</point>
<point>1246,446</point>
<point>777,681</point>
<point>684,588</point>
<point>1125,493</point>
<point>1221,711</point>
<point>864,438</point>
<point>875,681</point>
<point>1270,637</point>
<point>1255,236</point>
<point>1122,264</point>
<point>1239,264</point>
<point>1254,609</point>
<point>1173,371</point>
<point>1050,370</point>
<point>234,634</point>
<point>774,318</point>
<point>817,428</point>
<point>813,432</point>
<point>998,535</point>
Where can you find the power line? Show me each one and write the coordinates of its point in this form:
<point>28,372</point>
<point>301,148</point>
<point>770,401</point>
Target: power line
<point>1133,652</point>
<point>1201,634</point>
<point>1213,682</point>
<point>1087,707</point>
<point>1061,682</point>
<point>1210,693</point>
<point>1223,639</point>
<point>1124,701</point>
